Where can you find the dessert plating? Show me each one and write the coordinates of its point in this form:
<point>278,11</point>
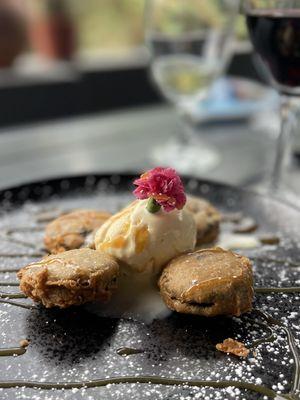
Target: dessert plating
<point>157,229</point>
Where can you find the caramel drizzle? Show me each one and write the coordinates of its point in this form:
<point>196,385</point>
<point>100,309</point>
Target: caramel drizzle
<point>266,339</point>
<point>12,351</point>
<point>155,380</point>
<point>292,345</point>
<point>17,304</point>
<point>267,290</point>
<point>3,270</point>
<point>12,295</point>
<point>9,283</point>
<point>11,239</point>
<point>19,229</point>
<point>17,255</point>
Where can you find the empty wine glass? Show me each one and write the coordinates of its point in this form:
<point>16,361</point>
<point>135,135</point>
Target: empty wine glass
<point>274,28</point>
<point>190,45</point>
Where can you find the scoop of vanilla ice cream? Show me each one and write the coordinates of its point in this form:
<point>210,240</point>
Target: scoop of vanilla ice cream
<point>146,241</point>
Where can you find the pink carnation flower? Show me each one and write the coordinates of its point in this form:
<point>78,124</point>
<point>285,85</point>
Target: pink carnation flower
<point>164,186</point>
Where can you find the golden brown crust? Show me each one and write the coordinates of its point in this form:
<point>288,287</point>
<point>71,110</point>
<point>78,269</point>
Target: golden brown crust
<point>234,347</point>
<point>207,219</point>
<point>208,282</point>
<point>70,278</point>
<point>69,231</point>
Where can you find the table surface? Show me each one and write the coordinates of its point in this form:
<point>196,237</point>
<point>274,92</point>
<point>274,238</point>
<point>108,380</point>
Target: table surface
<point>123,141</point>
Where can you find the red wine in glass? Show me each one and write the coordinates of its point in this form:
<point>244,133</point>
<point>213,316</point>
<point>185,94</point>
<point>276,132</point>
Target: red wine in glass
<point>275,35</point>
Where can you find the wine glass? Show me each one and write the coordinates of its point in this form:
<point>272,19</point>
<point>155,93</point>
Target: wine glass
<point>190,46</point>
<point>274,29</point>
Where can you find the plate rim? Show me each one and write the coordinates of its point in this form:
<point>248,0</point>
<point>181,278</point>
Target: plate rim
<point>131,175</point>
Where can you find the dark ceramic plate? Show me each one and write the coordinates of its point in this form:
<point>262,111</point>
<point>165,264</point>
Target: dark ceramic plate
<point>73,353</point>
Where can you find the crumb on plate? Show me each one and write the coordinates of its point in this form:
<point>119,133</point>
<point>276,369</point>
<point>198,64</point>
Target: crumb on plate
<point>24,343</point>
<point>232,346</point>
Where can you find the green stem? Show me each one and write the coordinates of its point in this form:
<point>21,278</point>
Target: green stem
<point>152,206</point>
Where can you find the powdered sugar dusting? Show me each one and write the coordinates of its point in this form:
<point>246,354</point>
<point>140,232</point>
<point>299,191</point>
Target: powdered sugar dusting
<point>80,345</point>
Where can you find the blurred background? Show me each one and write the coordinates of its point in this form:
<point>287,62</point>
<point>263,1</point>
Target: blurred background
<point>77,96</point>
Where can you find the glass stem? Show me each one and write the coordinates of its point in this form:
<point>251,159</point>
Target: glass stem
<point>185,133</point>
<point>283,144</point>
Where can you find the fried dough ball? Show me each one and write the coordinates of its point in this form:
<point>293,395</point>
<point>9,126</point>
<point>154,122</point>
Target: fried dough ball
<point>71,278</point>
<point>70,231</point>
<point>207,219</point>
<point>208,282</point>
